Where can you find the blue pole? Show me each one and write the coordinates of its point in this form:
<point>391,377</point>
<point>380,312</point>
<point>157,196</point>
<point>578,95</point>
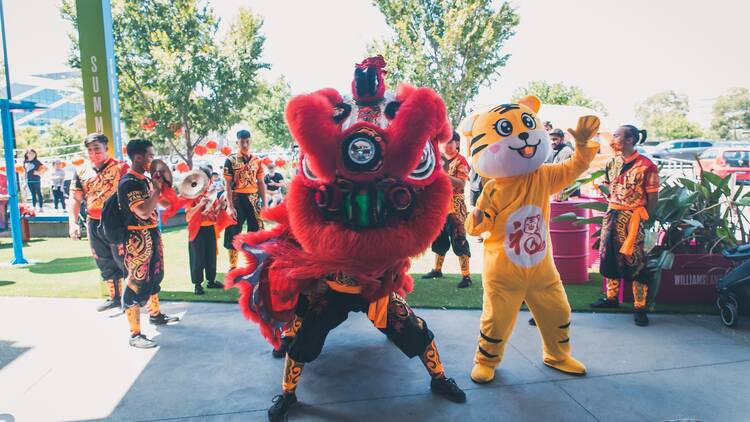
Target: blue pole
<point>10,166</point>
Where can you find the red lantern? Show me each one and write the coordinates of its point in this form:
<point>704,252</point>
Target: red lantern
<point>182,167</point>
<point>2,168</point>
<point>148,124</point>
<point>20,169</point>
<point>280,162</point>
<point>200,150</point>
<point>63,164</point>
<point>211,144</point>
<point>266,161</point>
<point>77,161</point>
<point>125,151</point>
<point>226,151</point>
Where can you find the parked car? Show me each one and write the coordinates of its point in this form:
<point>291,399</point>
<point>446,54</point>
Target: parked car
<point>726,160</point>
<point>685,149</point>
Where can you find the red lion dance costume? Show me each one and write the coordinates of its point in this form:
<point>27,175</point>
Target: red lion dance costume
<point>369,195</point>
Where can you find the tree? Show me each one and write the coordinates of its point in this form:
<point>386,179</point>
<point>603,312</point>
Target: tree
<point>559,94</point>
<point>664,115</point>
<point>731,113</point>
<point>59,135</point>
<point>662,102</point>
<point>266,115</point>
<point>452,46</point>
<point>28,137</point>
<point>176,83</point>
<point>672,125</point>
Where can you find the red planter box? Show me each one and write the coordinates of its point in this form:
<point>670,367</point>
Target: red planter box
<point>692,279</point>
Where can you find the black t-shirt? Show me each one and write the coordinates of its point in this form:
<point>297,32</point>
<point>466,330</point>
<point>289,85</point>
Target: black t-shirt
<point>133,190</point>
<point>31,167</point>
<point>276,178</point>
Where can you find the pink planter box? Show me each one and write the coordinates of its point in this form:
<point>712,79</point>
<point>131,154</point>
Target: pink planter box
<point>570,244</point>
<point>692,279</point>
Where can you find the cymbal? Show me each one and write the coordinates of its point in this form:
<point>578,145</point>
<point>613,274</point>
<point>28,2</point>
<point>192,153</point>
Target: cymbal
<point>195,183</point>
<point>159,166</point>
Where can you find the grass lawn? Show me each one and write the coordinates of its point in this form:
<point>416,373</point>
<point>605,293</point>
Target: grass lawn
<point>64,268</point>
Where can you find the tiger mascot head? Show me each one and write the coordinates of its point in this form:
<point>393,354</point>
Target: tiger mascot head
<point>507,140</point>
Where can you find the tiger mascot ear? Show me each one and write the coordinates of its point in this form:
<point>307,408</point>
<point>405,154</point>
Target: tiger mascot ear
<point>531,101</point>
<point>467,125</point>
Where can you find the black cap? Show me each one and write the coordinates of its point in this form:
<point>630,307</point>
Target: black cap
<point>242,134</point>
<point>557,132</point>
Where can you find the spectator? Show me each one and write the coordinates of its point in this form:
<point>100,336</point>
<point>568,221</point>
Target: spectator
<point>58,181</point>
<point>34,169</point>
<point>548,126</point>
<point>561,151</point>
<point>274,182</point>
<point>217,185</point>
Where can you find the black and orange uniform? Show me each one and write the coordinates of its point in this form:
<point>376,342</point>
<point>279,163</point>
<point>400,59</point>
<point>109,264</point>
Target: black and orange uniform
<point>454,233</point>
<point>97,185</point>
<point>622,253</point>
<point>202,244</point>
<point>144,257</point>
<point>243,172</point>
<point>327,307</point>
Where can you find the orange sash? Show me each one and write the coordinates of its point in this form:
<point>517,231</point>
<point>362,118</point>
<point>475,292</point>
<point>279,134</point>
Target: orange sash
<point>378,310</point>
<point>639,214</point>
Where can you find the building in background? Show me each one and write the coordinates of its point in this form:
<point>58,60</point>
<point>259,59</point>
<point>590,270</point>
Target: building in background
<point>59,92</point>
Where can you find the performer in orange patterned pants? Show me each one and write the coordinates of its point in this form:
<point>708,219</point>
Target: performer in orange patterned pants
<point>138,196</point>
<point>633,183</point>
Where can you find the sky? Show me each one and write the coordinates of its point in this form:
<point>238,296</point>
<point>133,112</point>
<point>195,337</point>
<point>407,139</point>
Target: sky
<point>618,52</point>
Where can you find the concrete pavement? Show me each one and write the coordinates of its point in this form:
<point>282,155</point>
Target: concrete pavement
<point>61,360</point>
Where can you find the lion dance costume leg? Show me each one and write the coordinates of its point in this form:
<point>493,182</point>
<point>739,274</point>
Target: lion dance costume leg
<point>369,194</point>
<point>508,145</point>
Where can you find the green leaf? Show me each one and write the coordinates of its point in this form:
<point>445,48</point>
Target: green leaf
<point>712,178</point>
<point>594,205</point>
<point>591,220</point>
<point>568,216</point>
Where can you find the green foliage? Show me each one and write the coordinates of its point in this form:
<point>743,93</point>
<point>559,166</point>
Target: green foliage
<point>672,125</point>
<point>53,140</point>
<point>664,115</point>
<point>453,46</point>
<point>172,71</point>
<point>731,114</point>
<point>266,114</point>
<point>559,94</point>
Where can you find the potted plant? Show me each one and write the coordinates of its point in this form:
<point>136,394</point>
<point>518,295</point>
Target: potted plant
<point>693,222</point>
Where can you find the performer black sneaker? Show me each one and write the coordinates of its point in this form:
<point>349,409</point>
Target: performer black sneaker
<point>532,322</point>
<point>433,274</point>
<point>283,348</point>
<point>162,319</point>
<point>603,303</point>
<point>465,282</point>
<point>214,285</point>
<point>640,318</point>
<point>142,342</point>
<point>448,388</point>
<point>281,405</point>
<point>199,290</point>
<point>109,304</point>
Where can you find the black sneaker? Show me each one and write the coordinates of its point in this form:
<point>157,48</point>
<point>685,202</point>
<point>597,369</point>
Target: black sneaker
<point>532,322</point>
<point>109,304</point>
<point>142,342</point>
<point>465,282</point>
<point>281,405</point>
<point>215,285</point>
<point>448,388</point>
<point>603,303</point>
<point>162,319</point>
<point>199,290</point>
<point>433,274</point>
<point>640,318</point>
<point>283,348</point>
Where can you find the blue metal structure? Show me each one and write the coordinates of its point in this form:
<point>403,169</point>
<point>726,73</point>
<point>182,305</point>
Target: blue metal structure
<point>6,107</point>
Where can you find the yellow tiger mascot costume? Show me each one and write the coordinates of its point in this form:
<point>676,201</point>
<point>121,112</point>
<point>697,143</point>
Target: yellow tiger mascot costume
<point>508,145</point>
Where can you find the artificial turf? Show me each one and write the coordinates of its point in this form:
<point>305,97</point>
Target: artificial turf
<point>65,268</point>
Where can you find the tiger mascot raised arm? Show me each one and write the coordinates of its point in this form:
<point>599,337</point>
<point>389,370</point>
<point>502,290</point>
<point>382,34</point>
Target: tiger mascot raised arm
<point>508,145</point>
<point>369,195</point>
